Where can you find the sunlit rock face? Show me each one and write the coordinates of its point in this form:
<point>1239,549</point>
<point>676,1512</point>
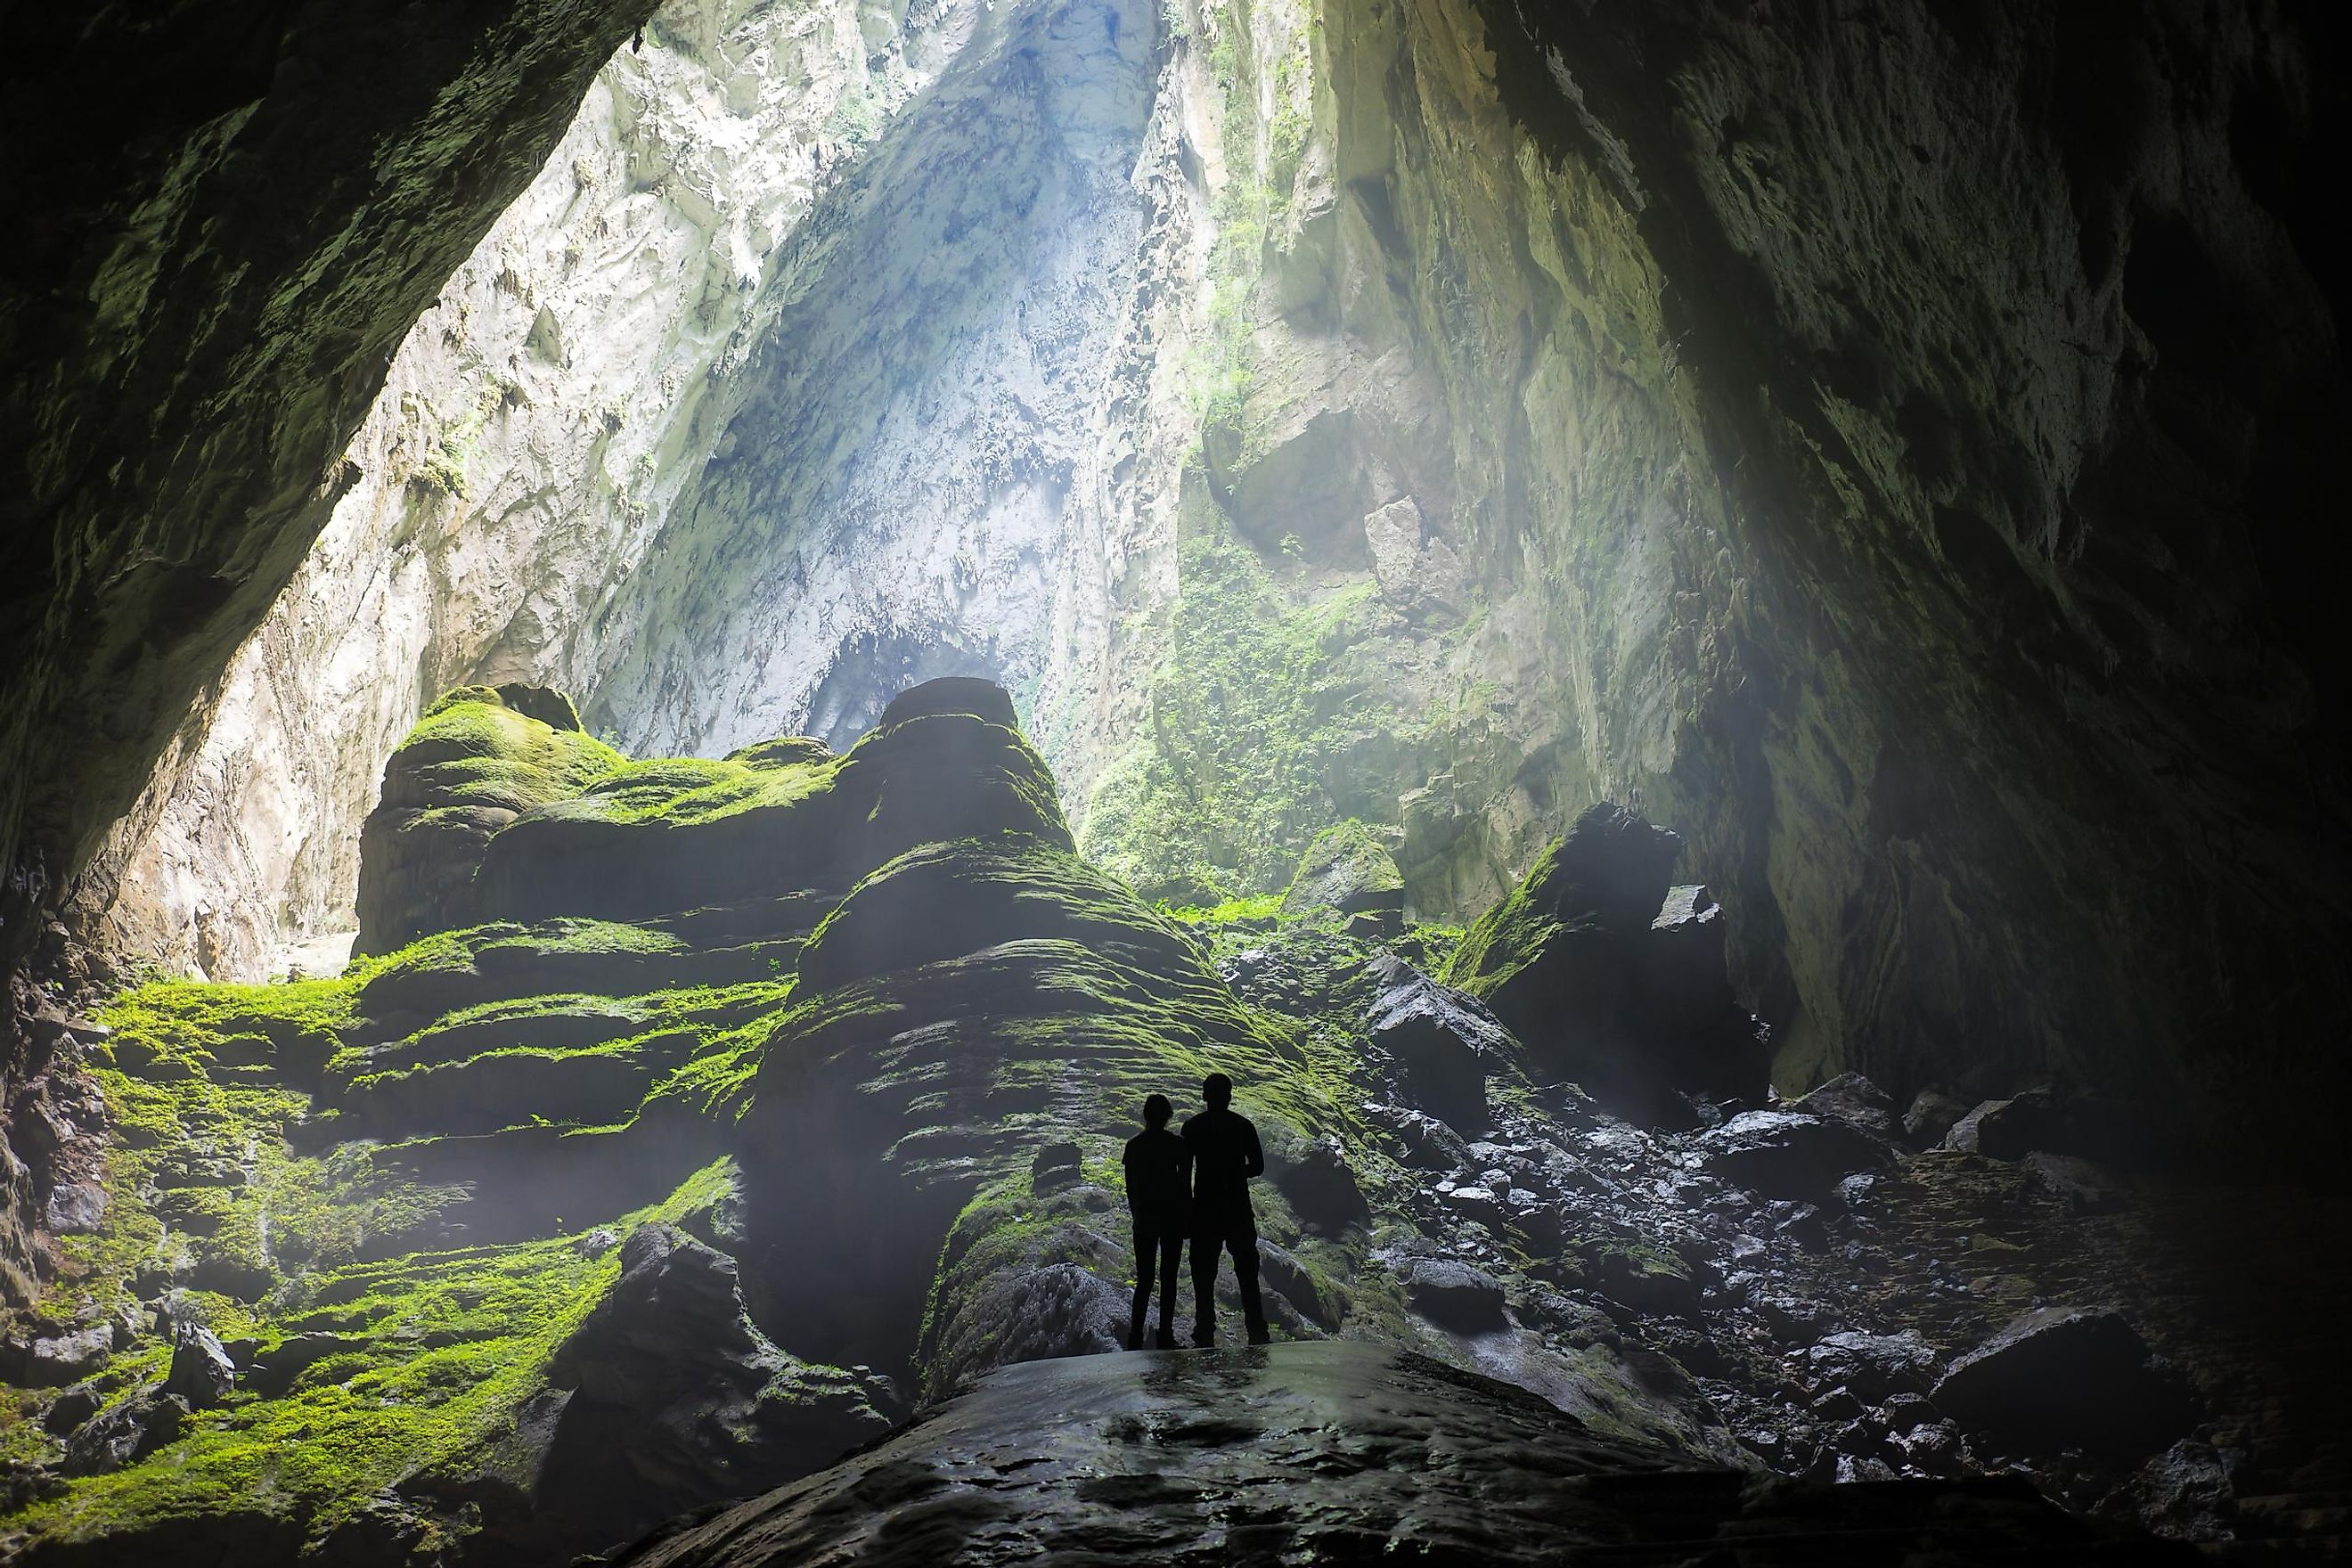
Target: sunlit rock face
<point>533,432</point>
<point>906,489</point>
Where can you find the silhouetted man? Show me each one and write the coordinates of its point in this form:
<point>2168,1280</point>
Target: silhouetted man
<point>1226,1155</point>
<point>1158,1198</point>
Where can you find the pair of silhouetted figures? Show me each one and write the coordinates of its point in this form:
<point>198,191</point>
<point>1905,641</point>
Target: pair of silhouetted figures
<point>1195,1185</point>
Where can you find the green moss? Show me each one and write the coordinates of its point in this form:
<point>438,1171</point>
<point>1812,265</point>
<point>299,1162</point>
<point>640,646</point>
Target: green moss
<point>1346,868</point>
<point>688,790</point>
<point>444,1347</point>
<point>1256,906</point>
<point>471,750</point>
<point>1509,936</point>
<point>1253,715</point>
<point>201,1170</point>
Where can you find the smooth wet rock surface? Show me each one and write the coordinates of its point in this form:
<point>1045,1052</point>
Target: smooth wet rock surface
<point>1325,1453</point>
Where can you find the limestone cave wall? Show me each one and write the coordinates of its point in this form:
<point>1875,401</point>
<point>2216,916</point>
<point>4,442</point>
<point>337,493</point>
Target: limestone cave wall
<point>1829,434</point>
<point>232,216</point>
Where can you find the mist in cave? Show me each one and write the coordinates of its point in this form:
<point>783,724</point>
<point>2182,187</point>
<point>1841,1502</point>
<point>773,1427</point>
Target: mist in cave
<point>663,657</point>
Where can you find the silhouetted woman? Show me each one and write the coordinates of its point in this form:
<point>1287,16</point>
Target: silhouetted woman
<point>1158,1196</point>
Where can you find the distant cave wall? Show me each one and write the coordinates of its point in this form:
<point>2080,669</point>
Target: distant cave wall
<point>926,424</point>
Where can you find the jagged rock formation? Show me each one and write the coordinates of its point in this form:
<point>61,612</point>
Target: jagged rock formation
<point>1613,977</point>
<point>673,1181</point>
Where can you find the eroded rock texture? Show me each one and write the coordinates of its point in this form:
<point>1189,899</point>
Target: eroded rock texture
<point>236,216</point>
<point>2019,399</point>
<point>196,323</point>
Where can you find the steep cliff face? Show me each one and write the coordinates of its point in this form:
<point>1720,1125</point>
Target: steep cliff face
<point>197,324</point>
<point>2021,405</point>
<point>895,498</point>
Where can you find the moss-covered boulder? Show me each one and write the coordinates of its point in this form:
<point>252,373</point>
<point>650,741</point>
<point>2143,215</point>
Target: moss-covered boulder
<point>479,758</point>
<point>1348,869</point>
<point>1606,984</point>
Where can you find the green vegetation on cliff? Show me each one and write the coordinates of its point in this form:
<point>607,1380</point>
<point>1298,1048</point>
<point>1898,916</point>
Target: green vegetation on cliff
<point>1253,716</point>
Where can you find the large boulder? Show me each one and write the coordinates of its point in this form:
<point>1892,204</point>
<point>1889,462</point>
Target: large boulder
<point>2067,1377</point>
<point>673,1399</point>
<point>1347,870</point>
<point>2053,1120</point>
<point>479,758</point>
<point>1855,1100</point>
<point>201,1374</point>
<point>1791,1154</point>
<point>124,1432</point>
<point>1443,1043</point>
<point>52,1360</point>
<point>1608,981</point>
<point>1453,1295</point>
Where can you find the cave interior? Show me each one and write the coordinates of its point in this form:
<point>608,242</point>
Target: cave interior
<point>660,657</point>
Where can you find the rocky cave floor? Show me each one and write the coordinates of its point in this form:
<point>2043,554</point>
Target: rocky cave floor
<point>691,1122</point>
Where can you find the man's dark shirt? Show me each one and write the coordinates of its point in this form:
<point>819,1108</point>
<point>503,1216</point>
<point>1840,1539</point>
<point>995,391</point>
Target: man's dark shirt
<point>1158,1179</point>
<point>1226,1155</point>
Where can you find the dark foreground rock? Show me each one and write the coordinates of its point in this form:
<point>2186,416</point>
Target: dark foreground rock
<point>1788,1154</point>
<point>1331,1453</point>
<point>668,1395</point>
<point>2066,1377</point>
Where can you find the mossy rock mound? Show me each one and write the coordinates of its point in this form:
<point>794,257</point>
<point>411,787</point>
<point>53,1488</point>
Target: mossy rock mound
<point>1347,869</point>
<point>506,960</point>
<point>982,700</point>
<point>655,837</point>
<point>970,1003</point>
<point>943,900</point>
<point>479,758</point>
